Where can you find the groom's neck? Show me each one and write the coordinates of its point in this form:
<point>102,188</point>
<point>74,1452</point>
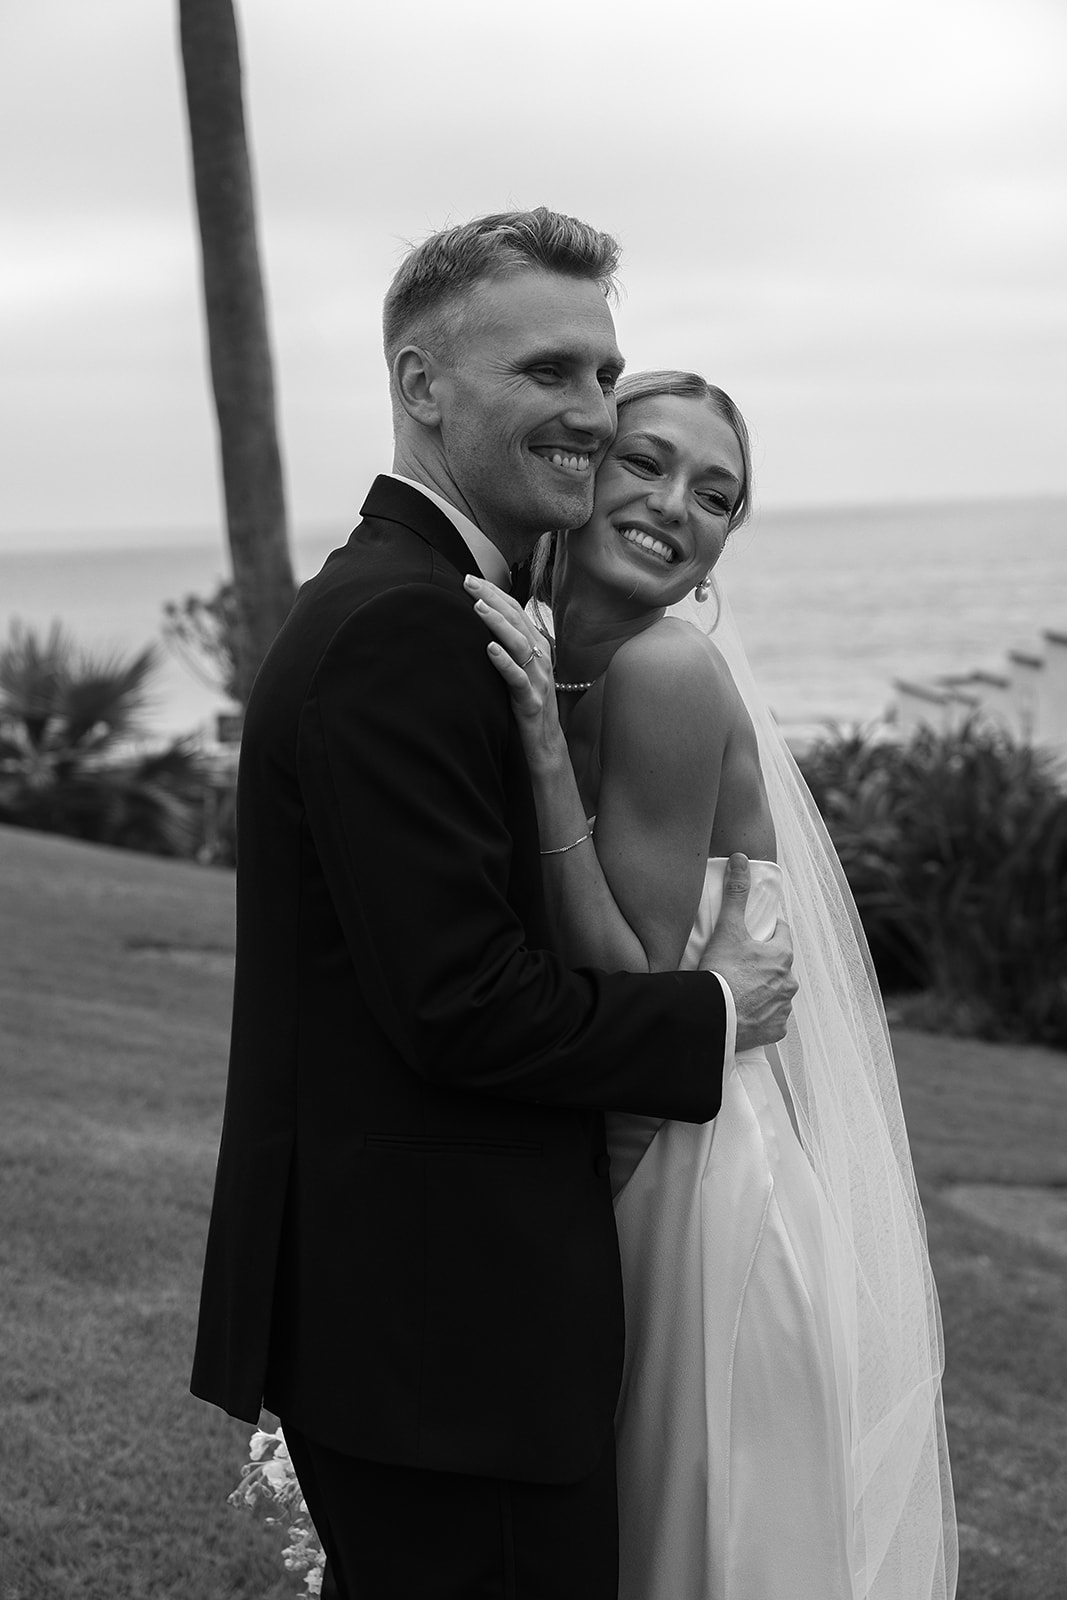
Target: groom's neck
<point>433,474</point>
<point>430,469</point>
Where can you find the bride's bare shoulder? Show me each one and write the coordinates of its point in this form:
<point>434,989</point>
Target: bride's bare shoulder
<point>673,657</point>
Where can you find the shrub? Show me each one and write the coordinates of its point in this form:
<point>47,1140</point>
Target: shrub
<point>66,762</point>
<point>854,777</point>
<point>955,846</point>
<point>204,634</point>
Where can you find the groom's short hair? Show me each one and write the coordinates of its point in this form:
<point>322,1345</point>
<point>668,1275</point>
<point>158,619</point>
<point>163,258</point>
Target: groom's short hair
<point>437,276</point>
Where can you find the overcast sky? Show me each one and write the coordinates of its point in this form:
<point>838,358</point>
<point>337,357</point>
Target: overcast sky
<point>850,213</point>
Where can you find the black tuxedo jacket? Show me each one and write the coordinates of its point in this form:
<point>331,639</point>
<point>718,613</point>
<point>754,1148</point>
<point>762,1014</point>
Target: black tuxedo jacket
<point>412,1254</point>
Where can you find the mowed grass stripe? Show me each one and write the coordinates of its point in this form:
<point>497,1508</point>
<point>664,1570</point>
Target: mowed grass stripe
<point>112,1075</point>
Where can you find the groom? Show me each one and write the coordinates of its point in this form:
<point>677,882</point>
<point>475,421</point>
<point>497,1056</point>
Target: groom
<point>412,1258</point>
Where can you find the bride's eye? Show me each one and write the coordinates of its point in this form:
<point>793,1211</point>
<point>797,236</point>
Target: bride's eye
<point>641,464</point>
<point>711,500</point>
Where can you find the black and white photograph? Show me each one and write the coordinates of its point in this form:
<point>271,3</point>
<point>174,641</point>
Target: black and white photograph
<point>533,801</point>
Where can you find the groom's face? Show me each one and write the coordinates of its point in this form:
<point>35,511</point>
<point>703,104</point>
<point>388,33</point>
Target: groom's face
<point>527,403</point>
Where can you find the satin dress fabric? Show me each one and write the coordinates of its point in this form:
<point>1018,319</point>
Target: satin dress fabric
<point>733,1433</point>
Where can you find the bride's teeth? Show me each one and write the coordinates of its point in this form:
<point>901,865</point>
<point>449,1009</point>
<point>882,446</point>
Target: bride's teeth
<point>647,542</point>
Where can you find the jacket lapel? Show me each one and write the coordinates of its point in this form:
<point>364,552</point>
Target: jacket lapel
<point>390,501</point>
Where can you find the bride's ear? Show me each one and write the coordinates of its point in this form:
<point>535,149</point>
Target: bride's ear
<point>415,381</point>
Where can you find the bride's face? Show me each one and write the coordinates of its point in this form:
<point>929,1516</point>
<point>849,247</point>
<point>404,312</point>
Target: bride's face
<point>664,497</point>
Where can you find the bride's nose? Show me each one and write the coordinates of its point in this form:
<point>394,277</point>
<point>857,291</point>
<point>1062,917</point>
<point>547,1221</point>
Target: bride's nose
<point>668,499</point>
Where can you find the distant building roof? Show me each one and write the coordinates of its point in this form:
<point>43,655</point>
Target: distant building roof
<point>993,678</point>
<point>921,691</point>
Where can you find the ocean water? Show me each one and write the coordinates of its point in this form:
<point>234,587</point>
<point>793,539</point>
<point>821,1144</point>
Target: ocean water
<point>836,605</point>
<point>833,605</point>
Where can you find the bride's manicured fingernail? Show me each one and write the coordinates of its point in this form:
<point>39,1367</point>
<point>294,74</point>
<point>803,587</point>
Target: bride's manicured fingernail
<point>470,581</point>
<point>481,605</point>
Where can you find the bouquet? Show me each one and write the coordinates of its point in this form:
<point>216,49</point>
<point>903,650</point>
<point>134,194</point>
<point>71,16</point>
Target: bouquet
<point>268,1481</point>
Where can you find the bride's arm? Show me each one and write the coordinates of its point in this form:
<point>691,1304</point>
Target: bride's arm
<point>661,746</point>
<point>626,900</point>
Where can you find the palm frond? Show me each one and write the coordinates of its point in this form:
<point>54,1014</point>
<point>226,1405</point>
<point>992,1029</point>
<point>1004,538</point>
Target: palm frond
<point>106,696</point>
<point>34,672</point>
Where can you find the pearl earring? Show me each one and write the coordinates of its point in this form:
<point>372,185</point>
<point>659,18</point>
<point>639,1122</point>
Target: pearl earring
<point>702,590</point>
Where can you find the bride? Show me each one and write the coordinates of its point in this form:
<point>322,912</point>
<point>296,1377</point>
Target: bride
<point>780,1429</point>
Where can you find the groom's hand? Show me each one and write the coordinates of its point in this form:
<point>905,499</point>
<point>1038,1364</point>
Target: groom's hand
<point>759,972</point>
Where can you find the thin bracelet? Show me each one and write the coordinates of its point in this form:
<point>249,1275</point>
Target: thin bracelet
<point>563,848</point>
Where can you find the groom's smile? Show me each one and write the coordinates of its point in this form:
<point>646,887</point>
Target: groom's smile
<point>571,462</point>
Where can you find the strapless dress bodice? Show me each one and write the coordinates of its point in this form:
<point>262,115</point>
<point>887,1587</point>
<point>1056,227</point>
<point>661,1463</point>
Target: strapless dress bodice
<point>761,910</point>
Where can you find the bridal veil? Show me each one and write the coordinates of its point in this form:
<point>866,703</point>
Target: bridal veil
<point>838,1062</point>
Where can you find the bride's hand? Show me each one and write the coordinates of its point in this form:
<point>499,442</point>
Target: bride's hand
<point>523,657</point>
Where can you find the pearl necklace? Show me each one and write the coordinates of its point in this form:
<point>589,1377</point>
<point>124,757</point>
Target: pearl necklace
<point>573,688</point>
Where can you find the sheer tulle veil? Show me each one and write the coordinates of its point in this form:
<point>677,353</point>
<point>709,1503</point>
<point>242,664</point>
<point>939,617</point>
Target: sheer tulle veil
<point>838,1062</point>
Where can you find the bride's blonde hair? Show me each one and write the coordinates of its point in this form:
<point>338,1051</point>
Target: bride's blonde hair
<point>648,386</point>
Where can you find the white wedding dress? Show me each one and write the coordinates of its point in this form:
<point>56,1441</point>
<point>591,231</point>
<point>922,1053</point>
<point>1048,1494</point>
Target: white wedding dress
<point>734,1434</point>
<point>780,1429</point>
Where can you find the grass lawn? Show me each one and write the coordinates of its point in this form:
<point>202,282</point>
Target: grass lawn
<point>114,1008</point>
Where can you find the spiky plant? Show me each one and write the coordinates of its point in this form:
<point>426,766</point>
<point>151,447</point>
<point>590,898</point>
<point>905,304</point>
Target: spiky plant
<point>67,763</point>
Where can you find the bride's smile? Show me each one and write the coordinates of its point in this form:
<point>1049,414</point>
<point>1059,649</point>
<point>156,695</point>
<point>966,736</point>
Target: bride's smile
<point>649,542</point>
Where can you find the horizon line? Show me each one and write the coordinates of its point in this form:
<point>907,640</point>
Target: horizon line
<point>198,536</point>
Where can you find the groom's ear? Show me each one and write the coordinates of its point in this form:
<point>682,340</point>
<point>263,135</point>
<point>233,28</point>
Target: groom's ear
<point>415,376</point>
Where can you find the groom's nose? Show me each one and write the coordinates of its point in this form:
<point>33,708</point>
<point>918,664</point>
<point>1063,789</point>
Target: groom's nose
<point>591,410</point>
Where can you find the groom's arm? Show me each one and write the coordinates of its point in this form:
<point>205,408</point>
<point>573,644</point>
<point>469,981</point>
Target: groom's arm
<point>403,752</point>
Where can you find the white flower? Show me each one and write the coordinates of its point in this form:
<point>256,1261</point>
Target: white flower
<point>277,1474</point>
<point>260,1443</point>
<point>269,1484</point>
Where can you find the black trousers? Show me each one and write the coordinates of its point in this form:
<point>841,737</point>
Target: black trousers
<point>400,1533</point>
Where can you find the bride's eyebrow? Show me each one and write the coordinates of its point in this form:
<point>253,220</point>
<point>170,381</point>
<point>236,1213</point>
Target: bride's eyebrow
<point>649,438</point>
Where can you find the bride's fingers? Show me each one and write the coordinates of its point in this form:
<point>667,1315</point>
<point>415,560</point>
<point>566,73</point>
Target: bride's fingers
<point>496,599</point>
<point>520,639</point>
<point>508,620</point>
<point>513,674</point>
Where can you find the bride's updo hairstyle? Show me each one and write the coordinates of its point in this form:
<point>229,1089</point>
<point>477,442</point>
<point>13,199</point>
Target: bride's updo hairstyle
<point>649,386</point>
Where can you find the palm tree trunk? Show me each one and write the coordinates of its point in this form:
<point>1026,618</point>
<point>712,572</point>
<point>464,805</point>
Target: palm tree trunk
<point>241,371</point>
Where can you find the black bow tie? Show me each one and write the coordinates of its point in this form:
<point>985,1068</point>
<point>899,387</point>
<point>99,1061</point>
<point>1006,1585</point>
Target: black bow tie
<point>520,581</point>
